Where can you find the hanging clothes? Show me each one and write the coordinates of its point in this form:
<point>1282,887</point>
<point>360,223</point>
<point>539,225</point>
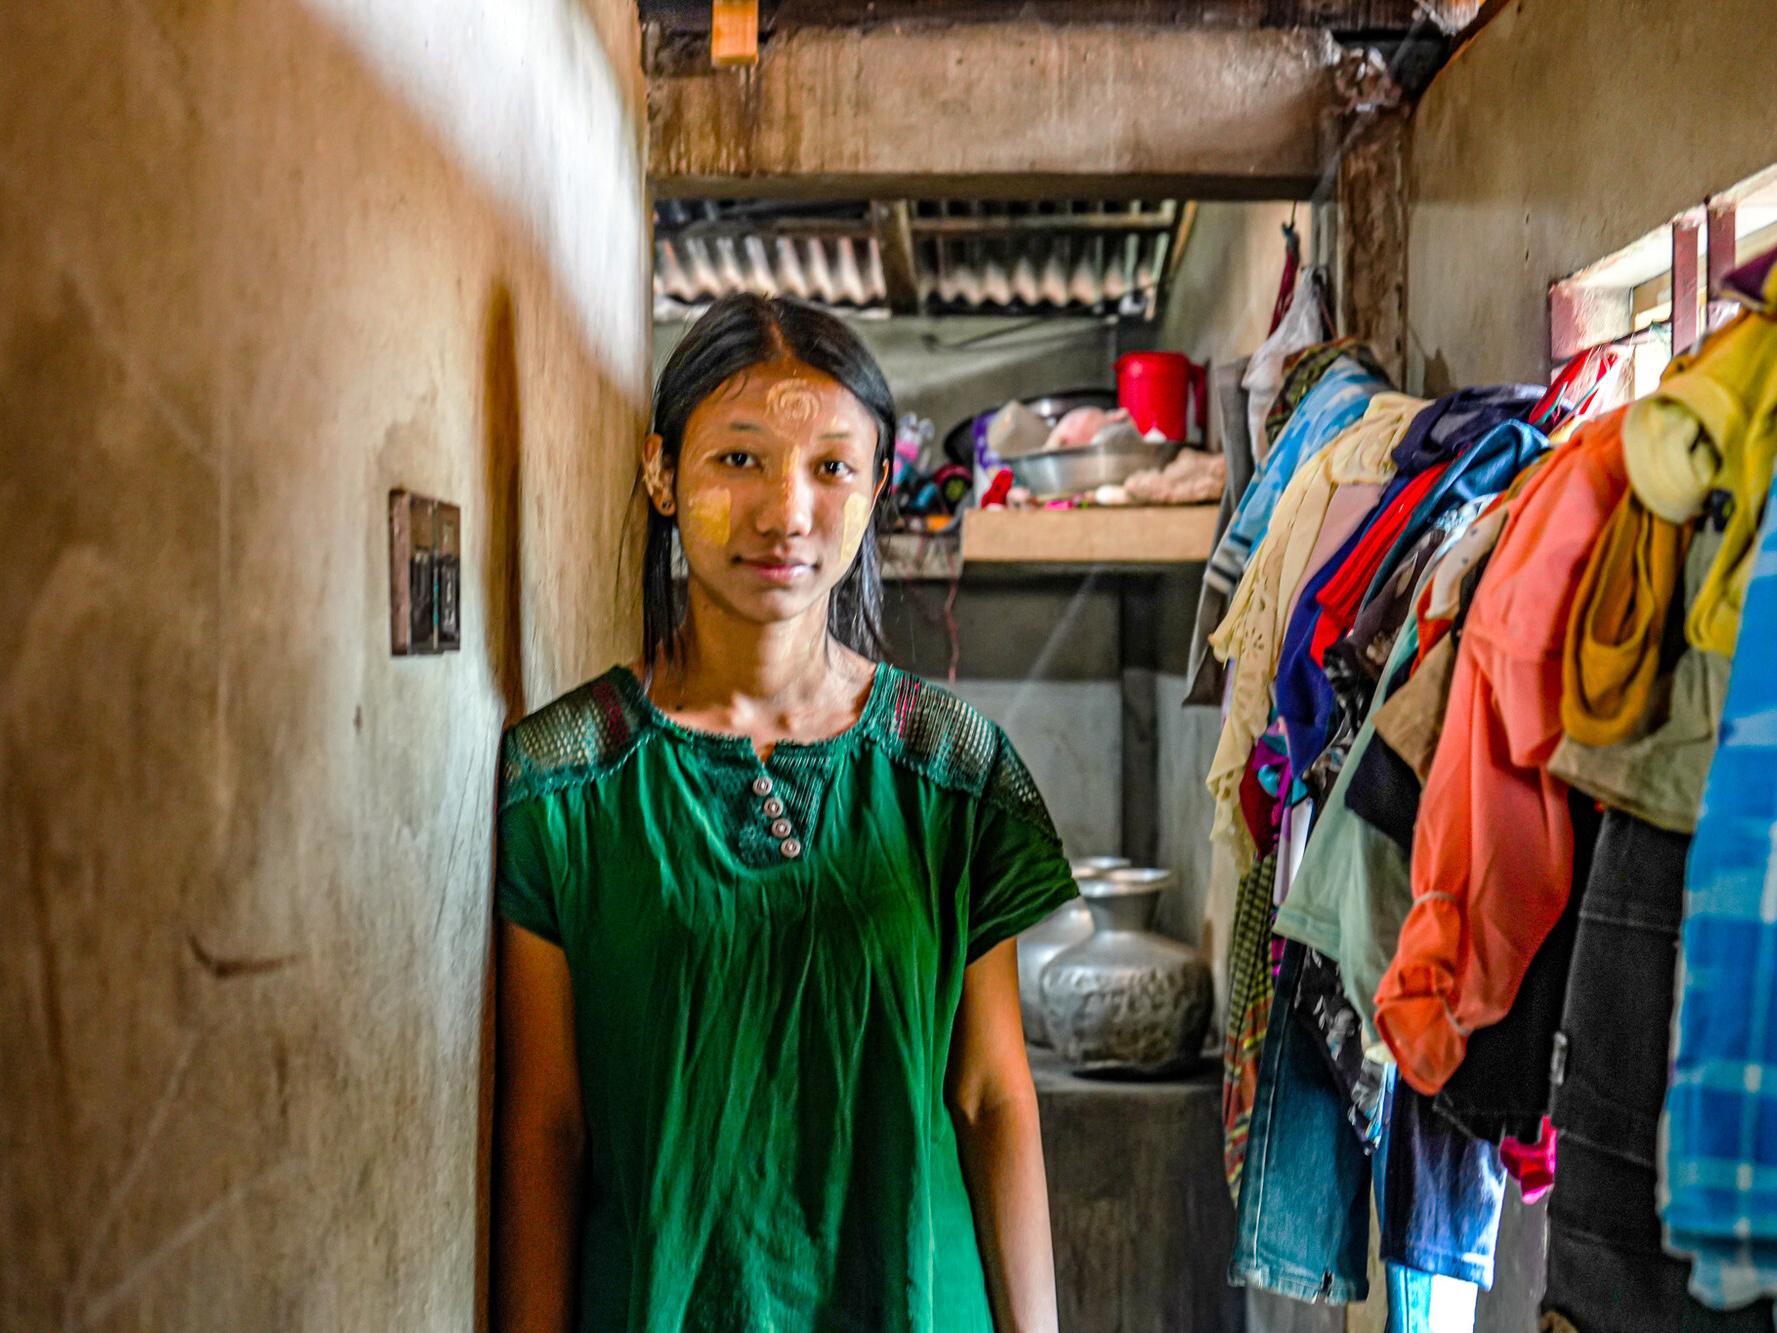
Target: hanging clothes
<point>1303,1216</point>
<point>1462,446</point>
<point>1449,591</point>
<point>1249,1012</point>
<point>1726,396</point>
<point>1323,1009</point>
<point>1303,325</point>
<point>1345,592</point>
<point>1485,450</point>
<point>1352,890</point>
<point>1492,853</point>
<point>1502,1088</point>
<point>1657,775</point>
<point>1248,637</point>
<point>1613,652</point>
<point>1606,1269</point>
<point>1297,698</point>
<point>1354,663</point>
<point>1303,370</point>
<point>1250,962</point>
<point>1228,425</point>
<point>1720,1202</point>
<point>1462,428</point>
<point>1340,398</point>
<point>1354,500</point>
<point>1304,1207</point>
<point>1467,691</point>
<point>1575,388</point>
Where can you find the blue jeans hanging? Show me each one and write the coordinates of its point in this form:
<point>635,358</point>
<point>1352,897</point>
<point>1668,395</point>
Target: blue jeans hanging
<point>1304,1212</point>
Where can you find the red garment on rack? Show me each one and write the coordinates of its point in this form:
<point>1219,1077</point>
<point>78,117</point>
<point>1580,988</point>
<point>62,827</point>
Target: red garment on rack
<point>1342,596</point>
<point>1573,388</point>
<point>1258,807</point>
<point>1292,264</point>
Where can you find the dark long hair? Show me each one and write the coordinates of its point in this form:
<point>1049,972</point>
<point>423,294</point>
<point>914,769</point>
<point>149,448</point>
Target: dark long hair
<point>735,334</point>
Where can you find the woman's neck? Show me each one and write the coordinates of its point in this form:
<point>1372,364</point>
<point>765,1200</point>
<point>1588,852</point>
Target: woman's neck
<point>760,676</point>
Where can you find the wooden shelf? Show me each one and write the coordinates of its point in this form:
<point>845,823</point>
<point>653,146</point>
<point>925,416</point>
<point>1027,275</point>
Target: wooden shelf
<point>1114,536</point>
<point>921,557</point>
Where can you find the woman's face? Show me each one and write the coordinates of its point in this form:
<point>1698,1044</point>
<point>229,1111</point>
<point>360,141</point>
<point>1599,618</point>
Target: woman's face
<point>773,489</point>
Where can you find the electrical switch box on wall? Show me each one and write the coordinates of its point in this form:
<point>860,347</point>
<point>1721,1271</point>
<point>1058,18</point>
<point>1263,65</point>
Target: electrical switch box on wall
<point>425,575</point>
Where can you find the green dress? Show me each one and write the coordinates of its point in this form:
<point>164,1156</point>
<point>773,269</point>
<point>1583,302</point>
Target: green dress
<point>766,961</point>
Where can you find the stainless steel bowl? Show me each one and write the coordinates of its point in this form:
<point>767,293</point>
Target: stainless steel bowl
<point>1125,881</point>
<point>959,440</point>
<point>1070,471</point>
<point>1084,867</point>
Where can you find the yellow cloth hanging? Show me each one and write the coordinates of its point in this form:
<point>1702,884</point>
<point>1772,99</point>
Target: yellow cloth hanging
<point>1729,391</point>
<point>1612,656</point>
<point>1671,463</point>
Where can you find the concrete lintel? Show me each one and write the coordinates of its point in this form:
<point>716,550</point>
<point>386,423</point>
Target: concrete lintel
<point>1356,16</point>
<point>998,109</point>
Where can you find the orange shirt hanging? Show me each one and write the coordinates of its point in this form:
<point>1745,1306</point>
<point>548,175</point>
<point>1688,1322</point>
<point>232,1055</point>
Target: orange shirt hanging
<point>1493,847</point>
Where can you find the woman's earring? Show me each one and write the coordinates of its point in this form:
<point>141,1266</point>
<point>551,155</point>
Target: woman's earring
<point>666,506</point>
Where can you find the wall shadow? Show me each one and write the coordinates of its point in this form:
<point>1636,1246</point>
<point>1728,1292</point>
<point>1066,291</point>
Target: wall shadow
<point>502,433</point>
<point>502,597</point>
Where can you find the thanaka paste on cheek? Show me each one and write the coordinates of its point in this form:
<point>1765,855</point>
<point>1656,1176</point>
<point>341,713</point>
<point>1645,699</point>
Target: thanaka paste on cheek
<point>851,536</point>
<point>709,514</point>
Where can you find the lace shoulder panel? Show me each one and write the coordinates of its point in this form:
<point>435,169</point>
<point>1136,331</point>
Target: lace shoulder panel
<point>949,742</point>
<point>581,737</point>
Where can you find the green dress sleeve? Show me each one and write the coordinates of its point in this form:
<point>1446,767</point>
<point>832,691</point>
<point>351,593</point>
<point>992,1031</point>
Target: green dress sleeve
<point>524,884</point>
<point>524,890</point>
<point>1017,872</point>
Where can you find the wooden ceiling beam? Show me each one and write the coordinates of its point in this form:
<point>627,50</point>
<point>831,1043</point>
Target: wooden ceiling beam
<point>998,110</point>
<point>1342,16</point>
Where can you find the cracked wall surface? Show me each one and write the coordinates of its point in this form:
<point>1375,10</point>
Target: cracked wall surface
<point>244,291</point>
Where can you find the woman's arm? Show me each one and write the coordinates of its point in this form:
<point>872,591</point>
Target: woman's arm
<point>539,1138</point>
<point>994,1107</point>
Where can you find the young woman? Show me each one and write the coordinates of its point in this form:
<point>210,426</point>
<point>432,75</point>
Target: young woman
<point>760,1063</point>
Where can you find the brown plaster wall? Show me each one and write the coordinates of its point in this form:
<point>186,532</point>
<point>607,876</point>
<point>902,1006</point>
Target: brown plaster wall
<point>1563,132</point>
<point>243,293</point>
<point>1218,307</point>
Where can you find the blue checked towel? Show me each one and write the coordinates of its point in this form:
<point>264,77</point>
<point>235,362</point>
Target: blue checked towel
<point>1339,399</point>
<point>1719,1184</point>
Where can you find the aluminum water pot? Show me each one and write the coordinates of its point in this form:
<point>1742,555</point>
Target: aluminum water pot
<point>1127,1000</point>
<point>1068,924</point>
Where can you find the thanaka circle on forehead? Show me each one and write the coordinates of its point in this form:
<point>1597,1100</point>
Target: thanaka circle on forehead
<point>793,400</point>
<point>794,395</point>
